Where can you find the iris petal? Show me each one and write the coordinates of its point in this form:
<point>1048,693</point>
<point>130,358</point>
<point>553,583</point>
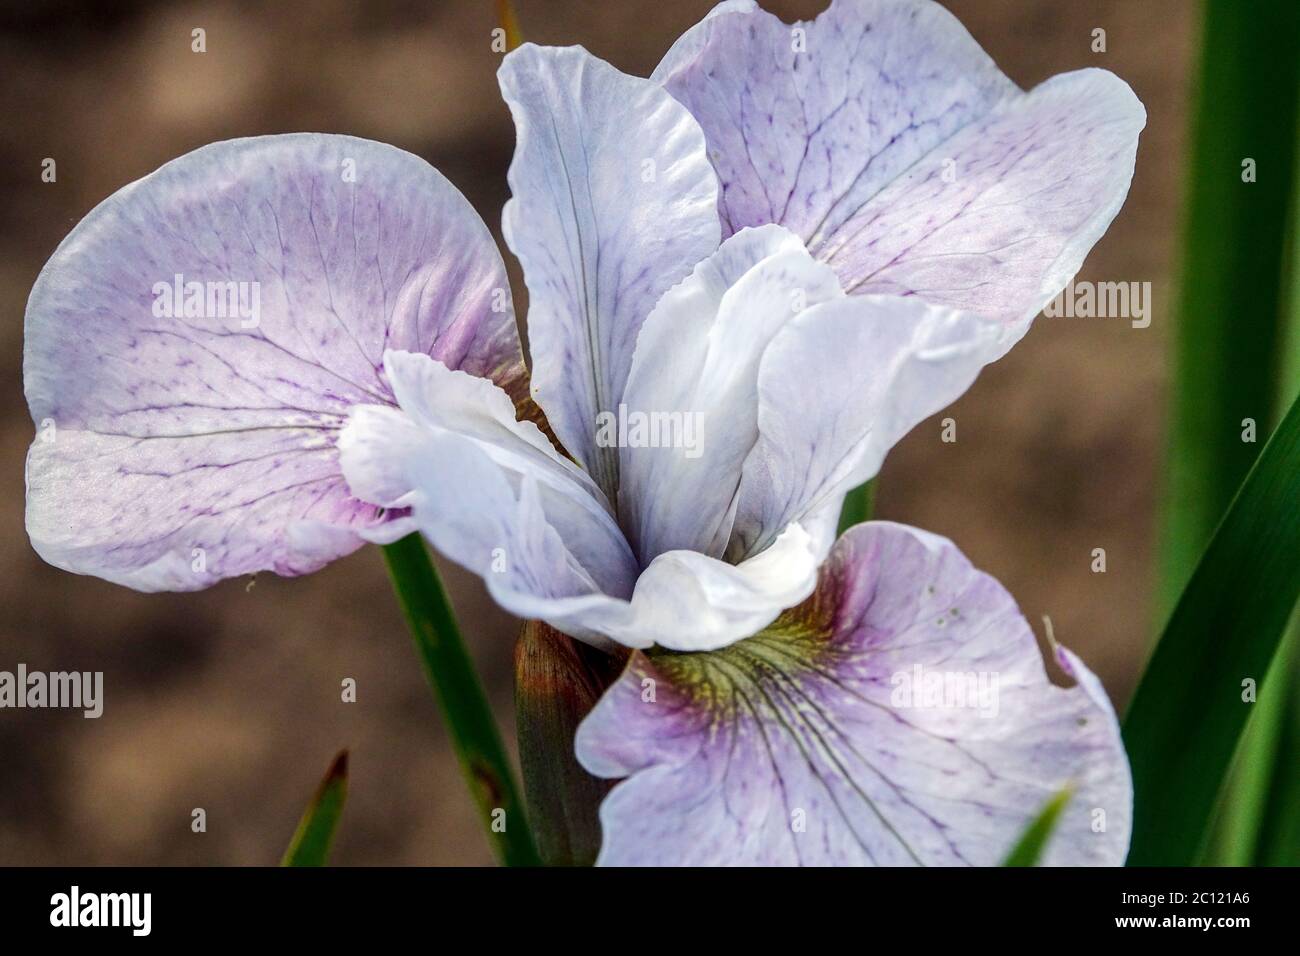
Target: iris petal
<point>694,387</point>
<point>881,365</point>
<point>184,438</point>
<point>410,459</point>
<point>613,201</point>
<point>492,495</point>
<point>893,146</point>
<point>820,740</point>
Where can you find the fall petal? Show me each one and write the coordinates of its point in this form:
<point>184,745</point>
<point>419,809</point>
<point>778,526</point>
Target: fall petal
<point>691,43</point>
<point>1000,219</point>
<point>820,741</point>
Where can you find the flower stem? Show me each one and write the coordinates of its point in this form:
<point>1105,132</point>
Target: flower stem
<point>460,696</point>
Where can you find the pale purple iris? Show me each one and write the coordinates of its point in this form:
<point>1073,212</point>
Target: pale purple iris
<point>749,276</point>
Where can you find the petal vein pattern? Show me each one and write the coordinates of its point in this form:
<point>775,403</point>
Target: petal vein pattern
<point>196,343</point>
<point>900,716</point>
<point>885,138</point>
<point>613,202</point>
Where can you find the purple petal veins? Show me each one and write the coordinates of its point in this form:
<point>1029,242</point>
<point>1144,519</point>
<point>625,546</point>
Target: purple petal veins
<point>885,138</point>
<point>815,742</point>
<point>196,343</point>
<point>613,201</point>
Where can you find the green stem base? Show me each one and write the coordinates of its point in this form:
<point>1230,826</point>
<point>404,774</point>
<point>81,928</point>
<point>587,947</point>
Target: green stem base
<point>460,696</point>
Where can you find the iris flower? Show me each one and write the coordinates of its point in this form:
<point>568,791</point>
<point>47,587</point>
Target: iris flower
<point>749,276</point>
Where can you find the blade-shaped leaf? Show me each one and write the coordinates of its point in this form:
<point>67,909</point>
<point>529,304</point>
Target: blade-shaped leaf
<point>1192,703</point>
<point>1259,821</point>
<point>1261,770</point>
<point>311,842</point>
<point>1277,842</point>
<point>1229,330</point>
<point>1033,841</point>
<point>1230,301</point>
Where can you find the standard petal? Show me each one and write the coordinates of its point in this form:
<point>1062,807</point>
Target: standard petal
<point>888,140</point>
<point>689,416</point>
<point>398,458</point>
<point>826,740</point>
<point>1000,218</point>
<point>613,201</point>
<point>882,364</point>
<point>689,45</point>
<point>196,342</point>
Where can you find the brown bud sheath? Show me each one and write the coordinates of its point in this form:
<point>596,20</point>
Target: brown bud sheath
<point>557,682</point>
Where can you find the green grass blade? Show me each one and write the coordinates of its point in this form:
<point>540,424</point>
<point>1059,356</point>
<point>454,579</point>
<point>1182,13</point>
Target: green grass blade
<point>460,696</point>
<point>1234,838</point>
<point>1277,840</point>
<point>1033,841</point>
<point>1230,300</point>
<point>311,842</point>
<point>1188,713</point>
<point>1276,790</point>
<point>1267,754</point>
<point>1262,765</point>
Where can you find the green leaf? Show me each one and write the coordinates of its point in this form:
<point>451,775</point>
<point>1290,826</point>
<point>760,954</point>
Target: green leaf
<point>1232,360</point>
<point>1230,299</point>
<point>1033,841</point>
<point>460,697</point>
<point>1188,713</point>
<point>1260,822</point>
<point>1277,841</point>
<point>311,842</point>
<point>1260,770</point>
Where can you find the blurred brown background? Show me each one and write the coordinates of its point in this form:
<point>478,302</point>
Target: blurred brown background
<point>230,699</point>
